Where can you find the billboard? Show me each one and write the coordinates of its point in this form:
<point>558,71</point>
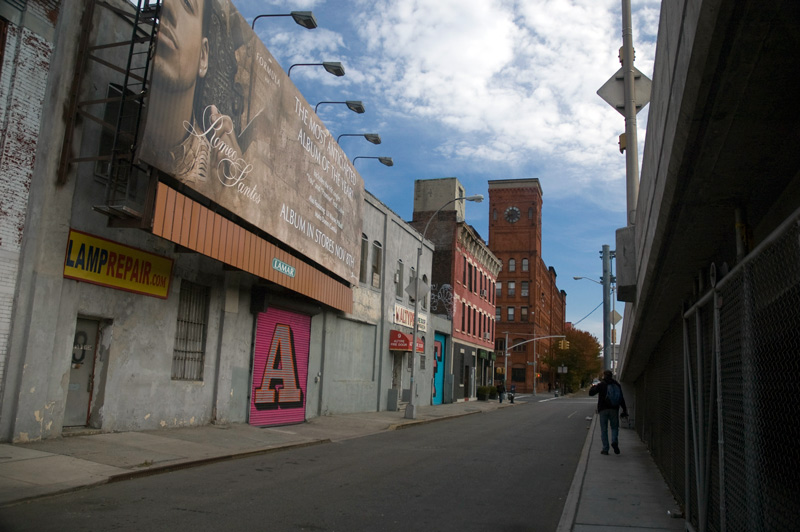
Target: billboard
<point>224,119</point>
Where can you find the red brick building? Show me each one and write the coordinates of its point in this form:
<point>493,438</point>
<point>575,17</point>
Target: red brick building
<point>529,304</point>
<point>464,274</point>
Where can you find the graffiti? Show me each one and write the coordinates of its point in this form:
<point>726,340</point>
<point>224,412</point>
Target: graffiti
<point>279,385</point>
<point>442,300</point>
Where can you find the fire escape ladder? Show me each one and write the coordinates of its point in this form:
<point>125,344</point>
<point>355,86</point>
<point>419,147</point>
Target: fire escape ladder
<point>120,113</point>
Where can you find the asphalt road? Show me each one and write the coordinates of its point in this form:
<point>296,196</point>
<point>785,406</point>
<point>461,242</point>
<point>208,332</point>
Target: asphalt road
<point>507,470</point>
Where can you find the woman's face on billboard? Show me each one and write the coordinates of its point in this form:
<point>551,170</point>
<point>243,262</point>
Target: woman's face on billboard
<point>182,47</point>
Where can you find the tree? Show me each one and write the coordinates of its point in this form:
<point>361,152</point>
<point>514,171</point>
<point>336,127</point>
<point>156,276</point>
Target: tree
<point>582,358</point>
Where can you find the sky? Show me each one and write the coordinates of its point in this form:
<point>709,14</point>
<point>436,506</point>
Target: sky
<point>481,90</point>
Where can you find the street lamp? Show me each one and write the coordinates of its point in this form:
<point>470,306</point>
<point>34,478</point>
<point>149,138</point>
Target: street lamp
<point>371,137</point>
<point>384,160</point>
<point>411,407</point>
<point>354,105</point>
<point>334,68</point>
<point>303,18</point>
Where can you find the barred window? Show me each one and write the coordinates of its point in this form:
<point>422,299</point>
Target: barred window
<point>190,335</point>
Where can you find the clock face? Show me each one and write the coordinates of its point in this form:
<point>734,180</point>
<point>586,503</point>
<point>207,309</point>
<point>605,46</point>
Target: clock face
<point>512,214</point>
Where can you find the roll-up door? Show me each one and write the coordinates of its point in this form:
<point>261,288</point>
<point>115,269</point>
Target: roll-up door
<point>280,368</point>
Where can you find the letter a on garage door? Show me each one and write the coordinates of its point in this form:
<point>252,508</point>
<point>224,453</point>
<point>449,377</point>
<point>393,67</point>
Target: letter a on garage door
<point>280,368</point>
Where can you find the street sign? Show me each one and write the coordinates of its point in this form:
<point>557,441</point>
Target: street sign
<point>613,91</point>
<point>423,288</point>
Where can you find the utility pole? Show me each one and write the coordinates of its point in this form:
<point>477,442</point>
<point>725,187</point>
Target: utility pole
<point>631,141</point>
<point>607,355</point>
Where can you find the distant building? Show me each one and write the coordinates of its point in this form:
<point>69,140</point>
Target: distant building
<point>462,287</point>
<point>529,304</point>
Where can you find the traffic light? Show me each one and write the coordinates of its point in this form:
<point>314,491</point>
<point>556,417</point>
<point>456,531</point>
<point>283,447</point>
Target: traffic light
<point>563,344</point>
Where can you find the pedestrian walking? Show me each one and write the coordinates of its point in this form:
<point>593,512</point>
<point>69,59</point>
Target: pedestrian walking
<point>501,390</point>
<point>609,401</point>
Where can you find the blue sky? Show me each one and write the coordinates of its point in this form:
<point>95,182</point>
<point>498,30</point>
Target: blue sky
<point>480,90</point>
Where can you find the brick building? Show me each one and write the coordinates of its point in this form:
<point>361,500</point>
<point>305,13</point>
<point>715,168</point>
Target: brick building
<point>464,273</point>
<point>529,304</point>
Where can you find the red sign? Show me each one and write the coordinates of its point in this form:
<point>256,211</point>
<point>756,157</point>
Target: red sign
<point>399,341</point>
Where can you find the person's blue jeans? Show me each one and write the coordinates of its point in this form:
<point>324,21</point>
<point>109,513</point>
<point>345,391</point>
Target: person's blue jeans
<point>609,415</point>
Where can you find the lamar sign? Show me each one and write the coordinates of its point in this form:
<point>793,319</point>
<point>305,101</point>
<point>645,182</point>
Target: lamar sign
<point>225,120</point>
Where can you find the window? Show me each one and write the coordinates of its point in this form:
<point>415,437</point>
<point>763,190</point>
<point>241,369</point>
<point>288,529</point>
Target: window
<point>469,279</point>
<point>362,276</point>
<point>377,260</point>
<point>518,374</point>
<point>464,273</point>
<point>500,344</point>
<point>523,314</point>
<point>398,288</point>
<point>498,313</point>
<point>510,313</point>
<point>524,289</point>
<point>188,353</point>
<point>519,346</point>
<point>499,292</point>
<point>512,288</point>
<point>424,301</point>
<point>512,265</point>
<point>494,214</point>
<point>524,265</point>
<point>463,317</point>
<point>422,362</point>
<point>530,213</point>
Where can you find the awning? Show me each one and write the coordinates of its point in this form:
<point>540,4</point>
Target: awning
<point>400,341</point>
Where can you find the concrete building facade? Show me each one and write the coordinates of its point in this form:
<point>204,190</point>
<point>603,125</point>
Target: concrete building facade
<point>161,308</point>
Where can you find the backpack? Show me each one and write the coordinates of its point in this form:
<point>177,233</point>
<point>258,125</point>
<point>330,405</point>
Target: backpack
<point>613,394</point>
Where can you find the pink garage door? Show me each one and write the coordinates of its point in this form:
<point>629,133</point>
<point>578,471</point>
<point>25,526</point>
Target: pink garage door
<point>280,368</point>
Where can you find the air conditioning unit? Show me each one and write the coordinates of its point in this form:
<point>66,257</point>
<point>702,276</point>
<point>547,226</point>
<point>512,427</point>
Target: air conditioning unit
<point>487,336</point>
<point>483,293</point>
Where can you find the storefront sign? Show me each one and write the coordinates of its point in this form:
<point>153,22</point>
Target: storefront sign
<point>400,341</point>
<point>99,261</point>
<point>405,316</point>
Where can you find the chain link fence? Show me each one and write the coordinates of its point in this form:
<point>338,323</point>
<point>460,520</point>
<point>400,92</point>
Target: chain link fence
<point>716,404</point>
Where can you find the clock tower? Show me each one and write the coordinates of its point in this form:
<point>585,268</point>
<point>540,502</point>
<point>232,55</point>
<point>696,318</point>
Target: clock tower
<point>515,222</point>
<point>529,304</point>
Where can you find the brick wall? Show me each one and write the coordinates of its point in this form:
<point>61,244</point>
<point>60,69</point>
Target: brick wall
<point>25,66</point>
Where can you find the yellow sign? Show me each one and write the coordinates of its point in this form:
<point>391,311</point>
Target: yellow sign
<point>99,261</point>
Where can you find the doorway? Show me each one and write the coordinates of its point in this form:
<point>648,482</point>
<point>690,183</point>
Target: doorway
<point>81,373</point>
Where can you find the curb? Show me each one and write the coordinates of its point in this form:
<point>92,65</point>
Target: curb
<point>574,496</point>
<point>166,468</point>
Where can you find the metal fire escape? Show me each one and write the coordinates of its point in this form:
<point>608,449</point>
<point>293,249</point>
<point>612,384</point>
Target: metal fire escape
<point>120,113</point>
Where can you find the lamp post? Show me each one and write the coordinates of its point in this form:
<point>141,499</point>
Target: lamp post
<point>387,161</point>
<point>371,137</point>
<point>334,67</point>
<point>302,18</point>
<point>411,407</point>
<point>354,105</point>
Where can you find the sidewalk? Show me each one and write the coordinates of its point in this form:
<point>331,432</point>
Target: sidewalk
<point>33,470</point>
<point>618,492</point>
